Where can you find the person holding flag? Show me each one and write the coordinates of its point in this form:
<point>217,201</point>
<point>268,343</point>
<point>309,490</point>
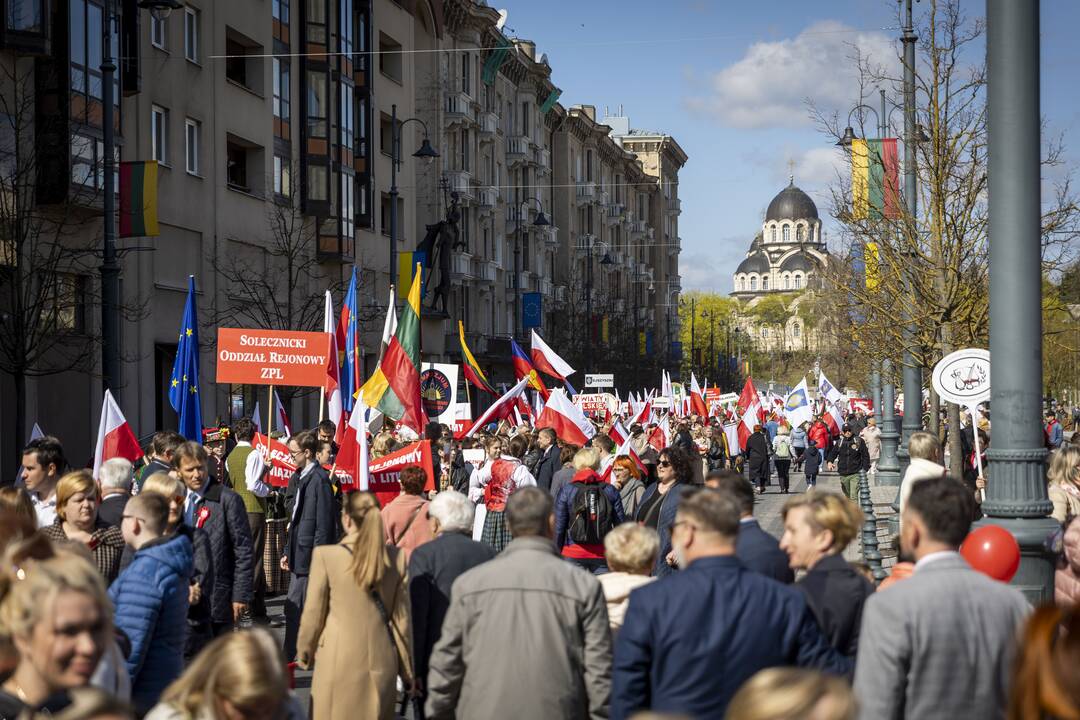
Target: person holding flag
<point>184,383</point>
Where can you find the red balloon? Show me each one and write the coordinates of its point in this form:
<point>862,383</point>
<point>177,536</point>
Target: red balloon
<point>991,549</point>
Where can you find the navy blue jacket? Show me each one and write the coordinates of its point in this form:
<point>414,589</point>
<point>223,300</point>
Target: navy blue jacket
<point>759,551</point>
<point>314,520</point>
<point>690,640</point>
<point>231,550</point>
<point>668,506</point>
<point>811,459</point>
<point>564,509</point>
<point>151,600</point>
<point>545,469</point>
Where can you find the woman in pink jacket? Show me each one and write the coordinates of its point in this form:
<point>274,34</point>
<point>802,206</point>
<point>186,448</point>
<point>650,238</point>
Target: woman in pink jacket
<point>405,518</point>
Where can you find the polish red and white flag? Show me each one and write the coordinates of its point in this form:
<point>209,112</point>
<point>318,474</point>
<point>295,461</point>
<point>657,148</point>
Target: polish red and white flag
<point>566,419</point>
<point>752,412</point>
<point>115,437</point>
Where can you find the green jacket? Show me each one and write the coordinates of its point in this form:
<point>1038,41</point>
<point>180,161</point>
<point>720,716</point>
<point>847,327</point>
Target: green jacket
<point>235,464</point>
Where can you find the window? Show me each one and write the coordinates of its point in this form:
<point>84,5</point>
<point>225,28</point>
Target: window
<point>86,48</point>
<point>765,283</point>
<point>235,62</point>
<point>316,104</point>
<point>26,16</point>
<point>281,88</point>
<point>785,282</point>
<point>465,151</point>
<point>191,154</point>
<point>345,27</point>
<point>318,183</point>
<point>796,331</point>
<point>798,282</point>
<point>525,119</point>
<point>800,233</point>
<point>64,306</point>
<point>236,166</point>
<point>787,233</point>
<point>316,23</point>
<point>389,57</point>
<point>191,34</point>
<point>772,234</point>
<point>282,176</point>
<point>159,30</point>
<point>348,209</point>
<point>360,139</point>
<point>159,134</point>
<point>346,108</point>
<point>753,283</point>
<point>280,9</point>
<point>465,77</point>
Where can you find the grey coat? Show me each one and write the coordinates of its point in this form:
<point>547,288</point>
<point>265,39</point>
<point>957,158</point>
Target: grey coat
<point>938,644</point>
<point>526,636</point>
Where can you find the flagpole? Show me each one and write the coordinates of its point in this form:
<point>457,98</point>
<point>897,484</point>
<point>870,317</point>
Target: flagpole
<point>270,412</point>
<point>322,404</point>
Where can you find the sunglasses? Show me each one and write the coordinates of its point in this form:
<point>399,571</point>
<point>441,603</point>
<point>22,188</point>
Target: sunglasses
<point>663,463</point>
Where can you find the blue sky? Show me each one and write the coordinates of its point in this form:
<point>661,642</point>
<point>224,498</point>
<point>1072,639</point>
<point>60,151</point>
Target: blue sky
<point>729,80</point>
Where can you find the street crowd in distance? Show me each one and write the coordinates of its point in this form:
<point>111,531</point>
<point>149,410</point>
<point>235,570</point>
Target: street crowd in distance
<point>527,577</point>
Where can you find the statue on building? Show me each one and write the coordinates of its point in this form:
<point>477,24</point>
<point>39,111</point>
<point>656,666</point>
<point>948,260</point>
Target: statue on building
<point>441,238</point>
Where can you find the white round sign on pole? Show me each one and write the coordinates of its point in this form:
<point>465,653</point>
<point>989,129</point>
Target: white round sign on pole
<point>963,377</point>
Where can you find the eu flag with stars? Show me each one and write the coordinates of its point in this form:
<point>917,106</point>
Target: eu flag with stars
<point>184,385</point>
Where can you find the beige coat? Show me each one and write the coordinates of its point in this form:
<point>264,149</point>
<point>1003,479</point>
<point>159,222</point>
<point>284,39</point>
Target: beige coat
<point>617,587</point>
<point>356,667</point>
<point>1066,504</point>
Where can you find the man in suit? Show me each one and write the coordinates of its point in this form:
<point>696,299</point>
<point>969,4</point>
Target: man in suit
<point>314,522</point>
<point>756,549</point>
<point>114,479</point>
<point>549,458</point>
<point>691,639</point>
<point>435,565</point>
<point>938,644</point>
<point>220,512</point>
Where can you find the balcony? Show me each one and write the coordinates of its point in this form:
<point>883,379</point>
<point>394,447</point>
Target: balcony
<point>674,207</point>
<point>517,150</point>
<point>549,234</point>
<point>561,294</point>
<point>461,183</point>
<point>614,213</point>
<point>461,267</point>
<point>489,124</point>
<point>650,234</point>
<point>484,271</point>
<point>674,246</point>
<point>459,109</point>
<point>585,242</point>
<point>543,161</point>
<point>603,198</point>
<point>487,197</point>
<point>547,289</point>
<point>641,271</point>
<point>637,227</point>
<point>525,281</point>
<point>586,191</point>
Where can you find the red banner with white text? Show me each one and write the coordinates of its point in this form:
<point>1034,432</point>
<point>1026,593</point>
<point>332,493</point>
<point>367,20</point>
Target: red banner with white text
<point>276,455</point>
<point>384,472</point>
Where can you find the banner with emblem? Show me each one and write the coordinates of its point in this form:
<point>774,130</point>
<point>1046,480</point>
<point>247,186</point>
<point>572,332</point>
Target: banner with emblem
<point>439,392</point>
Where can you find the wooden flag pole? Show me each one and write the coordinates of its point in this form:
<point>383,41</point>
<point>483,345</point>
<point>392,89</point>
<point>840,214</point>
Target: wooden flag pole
<point>270,413</point>
<point>322,404</point>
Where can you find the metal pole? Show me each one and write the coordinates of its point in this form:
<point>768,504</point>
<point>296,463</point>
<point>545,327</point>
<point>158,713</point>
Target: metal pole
<point>875,395</point>
<point>693,333</point>
<point>395,154</point>
<point>588,306</point>
<point>1016,496</point>
<point>912,373</point>
<point>518,330</point>
<point>888,468</point>
<point>110,266</point>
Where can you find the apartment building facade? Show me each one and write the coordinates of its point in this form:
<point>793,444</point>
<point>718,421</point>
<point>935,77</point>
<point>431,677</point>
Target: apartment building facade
<point>270,121</point>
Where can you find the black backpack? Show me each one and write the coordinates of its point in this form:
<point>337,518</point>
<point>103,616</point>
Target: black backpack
<point>593,515</point>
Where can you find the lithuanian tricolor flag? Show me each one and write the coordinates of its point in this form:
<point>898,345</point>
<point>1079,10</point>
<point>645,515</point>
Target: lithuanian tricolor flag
<point>875,189</point>
<point>470,367</point>
<point>138,199</point>
<point>394,389</point>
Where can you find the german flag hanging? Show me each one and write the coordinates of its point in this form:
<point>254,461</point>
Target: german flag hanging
<point>138,199</point>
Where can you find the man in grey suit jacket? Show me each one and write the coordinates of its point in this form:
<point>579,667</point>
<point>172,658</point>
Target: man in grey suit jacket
<point>940,643</point>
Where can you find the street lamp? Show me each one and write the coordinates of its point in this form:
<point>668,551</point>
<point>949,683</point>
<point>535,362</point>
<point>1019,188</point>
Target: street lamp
<point>110,262</point>
<point>540,221</point>
<point>426,153</point>
<point>693,328</point>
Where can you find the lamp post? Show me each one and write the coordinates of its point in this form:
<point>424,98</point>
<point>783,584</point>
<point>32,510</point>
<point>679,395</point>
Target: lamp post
<point>425,152</point>
<point>1016,496</point>
<point>693,328</point>
<point>606,260</point>
<point>110,261</point>
<point>540,221</point>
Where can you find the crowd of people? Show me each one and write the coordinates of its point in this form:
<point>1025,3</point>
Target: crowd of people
<point>537,578</point>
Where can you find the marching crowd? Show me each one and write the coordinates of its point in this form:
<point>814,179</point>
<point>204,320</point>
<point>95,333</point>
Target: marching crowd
<point>528,577</point>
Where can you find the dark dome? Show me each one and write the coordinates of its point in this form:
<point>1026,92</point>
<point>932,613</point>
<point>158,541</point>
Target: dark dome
<point>756,263</point>
<point>798,261</point>
<point>791,204</point>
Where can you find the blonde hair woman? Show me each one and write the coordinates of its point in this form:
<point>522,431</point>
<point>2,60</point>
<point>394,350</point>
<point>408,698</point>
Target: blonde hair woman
<point>77,522</point>
<point>630,550</point>
<point>356,627</point>
<point>239,676</point>
<point>793,694</point>
<point>59,619</point>
<point>817,528</point>
<point>1064,482</point>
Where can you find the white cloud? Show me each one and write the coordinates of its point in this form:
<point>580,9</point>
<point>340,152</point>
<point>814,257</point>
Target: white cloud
<point>711,271</point>
<point>769,86</point>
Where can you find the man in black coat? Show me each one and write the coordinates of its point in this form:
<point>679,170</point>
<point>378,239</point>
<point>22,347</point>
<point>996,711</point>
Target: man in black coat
<point>757,549</point>
<point>220,512</point>
<point>435,565</point>
<point>314,522</point>
<point>549,458</point>
<point>848,456</point>
<point>757,458</point>
<point>114,480</point>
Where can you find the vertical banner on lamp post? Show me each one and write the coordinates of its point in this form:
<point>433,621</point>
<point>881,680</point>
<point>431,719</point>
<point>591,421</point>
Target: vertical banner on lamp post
<point>532,310</point>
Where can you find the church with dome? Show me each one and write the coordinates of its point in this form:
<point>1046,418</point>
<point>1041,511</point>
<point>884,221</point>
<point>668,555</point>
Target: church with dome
<point>788,254</point>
